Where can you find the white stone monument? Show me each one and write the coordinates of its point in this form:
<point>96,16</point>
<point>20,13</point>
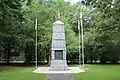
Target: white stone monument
<point>58,50</point>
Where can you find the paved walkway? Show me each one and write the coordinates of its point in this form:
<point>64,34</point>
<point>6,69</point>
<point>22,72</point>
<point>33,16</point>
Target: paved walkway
<point>61,76</point>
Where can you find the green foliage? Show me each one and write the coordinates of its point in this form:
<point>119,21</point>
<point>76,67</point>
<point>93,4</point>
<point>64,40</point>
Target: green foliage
<point>20,34</point>
<point>10,27</point>
<point>17,29</point>
<point>105,19</point>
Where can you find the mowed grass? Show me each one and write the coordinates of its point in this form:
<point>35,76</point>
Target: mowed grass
<point>100,72</point>
<point>20,73</point>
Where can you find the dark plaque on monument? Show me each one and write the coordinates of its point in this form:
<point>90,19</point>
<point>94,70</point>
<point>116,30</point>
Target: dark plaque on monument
<point>58,54</point>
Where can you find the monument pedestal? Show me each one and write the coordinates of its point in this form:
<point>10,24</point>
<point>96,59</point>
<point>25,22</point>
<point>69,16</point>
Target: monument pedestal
<point>58,65</point>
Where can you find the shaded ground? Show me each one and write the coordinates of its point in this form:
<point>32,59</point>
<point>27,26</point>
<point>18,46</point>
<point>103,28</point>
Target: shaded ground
<point>3,69</point>
<point>60,77</point>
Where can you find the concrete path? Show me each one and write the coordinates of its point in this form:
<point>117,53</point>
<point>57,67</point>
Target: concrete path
<point>61,76</point>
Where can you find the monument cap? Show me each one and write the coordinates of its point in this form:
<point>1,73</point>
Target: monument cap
<point>58,22</point>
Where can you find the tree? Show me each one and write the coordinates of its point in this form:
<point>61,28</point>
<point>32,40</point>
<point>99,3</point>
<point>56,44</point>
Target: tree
<point>107,25</point>
<point>11,22</point>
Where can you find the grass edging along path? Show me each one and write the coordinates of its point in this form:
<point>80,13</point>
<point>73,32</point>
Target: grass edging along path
<point>99,72</point>
<point>20,73</point>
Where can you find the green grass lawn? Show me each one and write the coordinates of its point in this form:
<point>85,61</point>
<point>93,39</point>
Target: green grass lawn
<point>95,72</point>
<point>20,73</point>
<point>100,72</point>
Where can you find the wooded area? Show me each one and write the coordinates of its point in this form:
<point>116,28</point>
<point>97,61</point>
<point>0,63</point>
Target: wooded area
<point>101,21</point>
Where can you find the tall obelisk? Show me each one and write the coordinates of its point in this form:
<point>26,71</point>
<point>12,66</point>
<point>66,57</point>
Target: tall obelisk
<point>58,50</point>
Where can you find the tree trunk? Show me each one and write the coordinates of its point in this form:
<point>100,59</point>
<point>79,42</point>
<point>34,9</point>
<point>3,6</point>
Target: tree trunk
<point>8,53</point>
<point>49,62</point>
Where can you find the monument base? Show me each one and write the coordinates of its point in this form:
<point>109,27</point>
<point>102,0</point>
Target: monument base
<point>58,65</point>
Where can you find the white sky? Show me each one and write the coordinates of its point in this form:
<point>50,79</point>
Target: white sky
<point>73,1</point>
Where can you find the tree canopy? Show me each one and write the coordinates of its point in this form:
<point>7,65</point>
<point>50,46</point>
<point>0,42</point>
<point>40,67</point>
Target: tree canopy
<point>101,23</point>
